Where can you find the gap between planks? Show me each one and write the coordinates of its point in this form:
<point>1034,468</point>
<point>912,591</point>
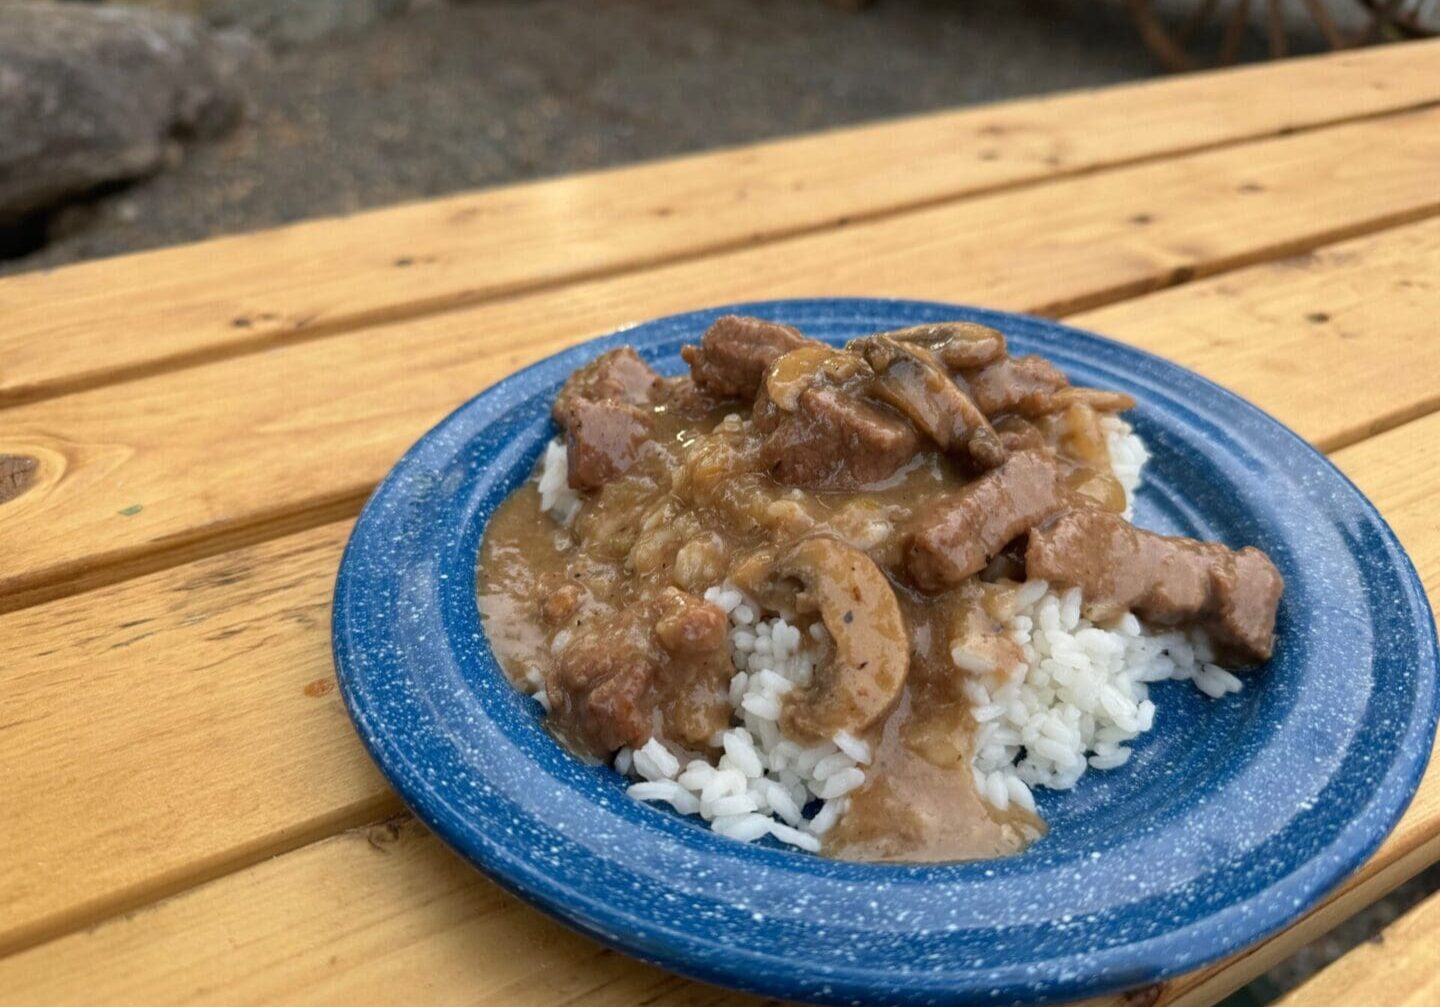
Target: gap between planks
<point>421,874</point>
<point>624,220</point>
<point>1223,319</point>
<point>1399,967</point>
<point>306,330</point>
<point>1103,260</point>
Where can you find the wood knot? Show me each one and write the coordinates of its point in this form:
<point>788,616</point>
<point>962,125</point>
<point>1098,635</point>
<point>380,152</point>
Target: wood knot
<point>384,835</point>
<point>1145,996</point>
<point>17,474</point>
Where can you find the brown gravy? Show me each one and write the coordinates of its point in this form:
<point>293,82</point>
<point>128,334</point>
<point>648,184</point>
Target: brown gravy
<point>920,800</point>
<point>894,485</point>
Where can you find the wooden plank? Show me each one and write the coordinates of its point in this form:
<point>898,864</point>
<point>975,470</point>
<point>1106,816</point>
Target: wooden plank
<point>1209,986</point>
<point>339,919</point>
<point>242,638</point>
<point>194,721</point>
<point>1400,968</point>
<point>382,915</point>
<point>1301,334</point>
<point>141,475</point>
<point>87,325</point>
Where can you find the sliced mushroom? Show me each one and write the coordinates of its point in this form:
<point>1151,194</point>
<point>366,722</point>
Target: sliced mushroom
<point>804,367</point>
<point>908,377</point>
<point>862,676</point>
<point>1099,399</point>
<point>959,345</point>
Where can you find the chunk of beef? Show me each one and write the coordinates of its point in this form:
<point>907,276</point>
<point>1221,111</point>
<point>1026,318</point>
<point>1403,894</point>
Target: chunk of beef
<point>1018,434</point>
<point>734,352</point>
<point>684,398</point>
<point>695,679</point>
<point>1032,386</point>
<point>1023,385</point>
<point>959,534</point>
<point>688,625</point>
<point>600,410</point>
<point>908,377</point>
<point>603,440</point>
<point>960,346</point>
<point>1165,581</point>
<point>660,664</point>
<point>618,375</point>
<point>832,440</point>
<point>601,686</point>
<point>561,602</point>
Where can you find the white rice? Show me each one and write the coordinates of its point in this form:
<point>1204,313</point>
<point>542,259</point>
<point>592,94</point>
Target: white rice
<point>763,782</point>
<point>556,497</point>
<point>1081,694</point>
<point>1074,704</point>
<point>1128,456</point>
<point>1079,698</point>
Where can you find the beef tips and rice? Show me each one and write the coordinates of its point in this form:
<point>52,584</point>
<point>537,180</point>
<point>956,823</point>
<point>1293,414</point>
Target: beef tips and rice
<point>861,600</point>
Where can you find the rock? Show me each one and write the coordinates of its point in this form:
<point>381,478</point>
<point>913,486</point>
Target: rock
<point>297,22</point>
<point>92,95</point>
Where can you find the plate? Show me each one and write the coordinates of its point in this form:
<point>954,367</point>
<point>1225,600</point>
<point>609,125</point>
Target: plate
<point>1231,819</point>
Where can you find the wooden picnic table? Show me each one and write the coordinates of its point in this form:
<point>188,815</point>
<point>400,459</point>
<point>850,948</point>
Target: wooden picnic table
<point>187,435</point>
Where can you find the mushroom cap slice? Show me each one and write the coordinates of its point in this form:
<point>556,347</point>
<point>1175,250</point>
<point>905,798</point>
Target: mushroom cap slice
<point>959,345</point>
<point>909,378</point>
<point>869,657</point>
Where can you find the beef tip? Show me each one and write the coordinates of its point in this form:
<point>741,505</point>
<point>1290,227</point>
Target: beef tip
<point>832,440</point>
<point>1249,590</point>
<point>1165,581</point>
<point>694,681</point>
<point>734,352</point>
<point>683,397</point>
<point>908,377</point>
<point>561,602</point>
<point>601,410</point>
<point>960,346</point>
<point>600,690</point>
<point>1017,434</point>
<point>603,440</point>
<point>958,535</point>
<point>1023,385</point>
<point>688,625</point>
<point>662,663</point>
<point>618,375</point>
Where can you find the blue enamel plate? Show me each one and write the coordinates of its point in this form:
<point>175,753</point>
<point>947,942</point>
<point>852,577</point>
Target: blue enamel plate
<point>1232,818</point>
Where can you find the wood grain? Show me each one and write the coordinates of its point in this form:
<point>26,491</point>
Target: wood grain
<point>142,475</point>
<point>228,658</point>
<point>193,719</point>
<point>379,914</point>
<point>1341,338</point>
<point>1399,968</point>
<point>88,325</point>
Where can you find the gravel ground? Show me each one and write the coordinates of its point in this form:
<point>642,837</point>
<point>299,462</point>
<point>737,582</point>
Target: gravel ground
<point>456,97</point>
